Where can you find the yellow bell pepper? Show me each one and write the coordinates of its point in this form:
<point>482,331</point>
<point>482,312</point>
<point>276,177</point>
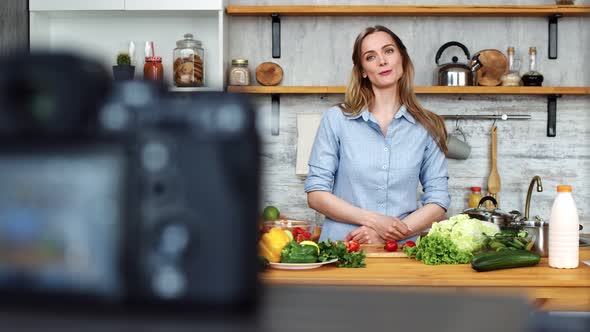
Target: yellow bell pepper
<point>271,244</point>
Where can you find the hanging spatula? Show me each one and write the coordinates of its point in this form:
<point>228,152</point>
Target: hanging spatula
<point>494,178</point>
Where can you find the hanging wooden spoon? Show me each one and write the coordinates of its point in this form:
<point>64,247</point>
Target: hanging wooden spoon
<point>494,178</point>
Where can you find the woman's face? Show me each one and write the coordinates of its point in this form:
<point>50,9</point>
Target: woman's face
<point>381,60</point>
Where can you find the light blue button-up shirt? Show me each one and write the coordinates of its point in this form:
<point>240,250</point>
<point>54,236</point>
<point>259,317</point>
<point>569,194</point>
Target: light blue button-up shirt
<point>353,160</point>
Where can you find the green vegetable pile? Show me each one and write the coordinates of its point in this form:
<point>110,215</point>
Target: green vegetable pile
<point>452,241</point>
<point>436,249</point>
<point>509,240</point>
<point>330,250</point>
<point>294,252</point>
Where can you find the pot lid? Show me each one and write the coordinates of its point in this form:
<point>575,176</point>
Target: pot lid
<point>489,215</point>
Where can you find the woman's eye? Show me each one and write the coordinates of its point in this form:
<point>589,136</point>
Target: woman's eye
<point>370,58</point>
<point>389,50</point>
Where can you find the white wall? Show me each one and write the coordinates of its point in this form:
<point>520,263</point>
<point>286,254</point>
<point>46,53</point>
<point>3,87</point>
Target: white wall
<point>317,51</point>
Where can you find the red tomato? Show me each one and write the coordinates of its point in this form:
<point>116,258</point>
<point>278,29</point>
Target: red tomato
<point>408,244</point>
<point>296,231</point>
<point>391,245</point>
<point>353,246</point>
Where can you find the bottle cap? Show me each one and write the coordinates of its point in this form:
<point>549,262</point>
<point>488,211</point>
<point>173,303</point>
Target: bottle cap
<point>475,188</point>
<point>533,50</point>
<point>562,188</point>
<point>510,50</point>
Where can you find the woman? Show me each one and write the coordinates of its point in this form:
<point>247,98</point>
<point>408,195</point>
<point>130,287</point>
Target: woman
<point>370,152</point>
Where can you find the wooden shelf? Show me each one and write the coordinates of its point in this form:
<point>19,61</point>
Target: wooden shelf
<point>478,90</point>
<point>543,11</point>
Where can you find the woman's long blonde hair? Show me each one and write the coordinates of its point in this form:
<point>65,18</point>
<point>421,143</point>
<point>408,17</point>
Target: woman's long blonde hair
<point>359,93</point>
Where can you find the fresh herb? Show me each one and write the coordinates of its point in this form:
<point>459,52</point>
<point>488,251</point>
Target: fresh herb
<point>435,249</point>
<point>330,250</point>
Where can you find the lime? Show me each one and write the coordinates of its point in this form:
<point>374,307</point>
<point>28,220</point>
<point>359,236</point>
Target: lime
<point>289,234</point>
<point>271,213</point>
<point>310,243</point>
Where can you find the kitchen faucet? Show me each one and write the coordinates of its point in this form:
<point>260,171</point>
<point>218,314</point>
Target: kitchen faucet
<point>530,193</point>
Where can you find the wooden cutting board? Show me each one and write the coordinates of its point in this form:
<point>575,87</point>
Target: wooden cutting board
<point>494,65</point>
<point>376,250</point>
<point>269,73</point>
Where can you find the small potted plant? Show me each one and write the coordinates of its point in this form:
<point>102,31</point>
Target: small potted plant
<point>123,70</point>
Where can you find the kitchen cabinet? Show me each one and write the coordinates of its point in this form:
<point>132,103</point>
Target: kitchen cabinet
<point>48,5</point>
<point>546,288</point>
<point>35,5</point>
<point>100,33</point>
<point>174,4</point>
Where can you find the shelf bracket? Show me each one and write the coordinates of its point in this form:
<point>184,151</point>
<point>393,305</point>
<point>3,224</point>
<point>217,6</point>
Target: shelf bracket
<point>551,114</point>
<point>275,113</point>
<point>552,52</point>
<point>276,36</point>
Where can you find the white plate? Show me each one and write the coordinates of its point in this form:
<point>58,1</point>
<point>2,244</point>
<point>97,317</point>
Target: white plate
<point>301,266</point>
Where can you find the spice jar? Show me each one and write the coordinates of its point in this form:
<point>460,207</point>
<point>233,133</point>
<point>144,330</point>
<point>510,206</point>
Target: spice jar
<point>153,70</point>
<point>474,197</point>
<point>189,61</point>
<point>512,77</point>
<point>239,73</point>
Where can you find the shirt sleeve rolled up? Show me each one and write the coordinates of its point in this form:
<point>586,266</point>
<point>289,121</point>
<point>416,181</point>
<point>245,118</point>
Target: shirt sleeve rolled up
<point>324,157</point>
<point>434,177</point>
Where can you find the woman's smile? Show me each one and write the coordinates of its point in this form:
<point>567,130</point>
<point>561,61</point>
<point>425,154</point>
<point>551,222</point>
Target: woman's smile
<point>385,72</point>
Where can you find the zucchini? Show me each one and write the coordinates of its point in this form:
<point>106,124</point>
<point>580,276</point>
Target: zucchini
<point>504,259</point>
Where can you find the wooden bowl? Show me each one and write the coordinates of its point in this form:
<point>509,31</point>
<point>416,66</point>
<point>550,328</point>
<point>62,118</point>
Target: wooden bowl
<point>494,65</point>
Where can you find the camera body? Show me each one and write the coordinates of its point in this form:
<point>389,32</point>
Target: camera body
<point>124,195</point>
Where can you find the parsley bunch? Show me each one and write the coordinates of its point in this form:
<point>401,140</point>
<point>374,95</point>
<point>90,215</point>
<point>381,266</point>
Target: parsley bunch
<point>330,250</point>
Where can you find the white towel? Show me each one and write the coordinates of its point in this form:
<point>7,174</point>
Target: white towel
<point>307,126</point>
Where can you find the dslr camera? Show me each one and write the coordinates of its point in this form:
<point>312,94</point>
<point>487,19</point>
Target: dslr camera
<point>124,195</point>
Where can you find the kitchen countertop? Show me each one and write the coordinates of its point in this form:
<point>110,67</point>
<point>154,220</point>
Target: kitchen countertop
<point>547,288</point>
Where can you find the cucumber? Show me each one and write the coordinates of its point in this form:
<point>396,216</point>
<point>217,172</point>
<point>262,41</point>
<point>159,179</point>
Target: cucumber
<point>504,259</point>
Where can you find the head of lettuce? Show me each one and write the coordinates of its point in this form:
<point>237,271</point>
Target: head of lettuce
<point>452,241</point>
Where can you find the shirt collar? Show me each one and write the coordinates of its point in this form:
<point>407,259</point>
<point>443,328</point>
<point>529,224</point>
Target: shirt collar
<point>403,111</point>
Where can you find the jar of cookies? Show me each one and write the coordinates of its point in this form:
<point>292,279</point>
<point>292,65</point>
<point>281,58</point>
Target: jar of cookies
<point>189,62</point>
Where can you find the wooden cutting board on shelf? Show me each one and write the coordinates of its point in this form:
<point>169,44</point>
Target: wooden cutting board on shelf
<point>493,65</point>
<point>269,73</point>
<point>376,250</point>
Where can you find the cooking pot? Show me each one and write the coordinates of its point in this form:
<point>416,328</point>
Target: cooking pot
<point>456,73</point>
<point>539,229</point>
<point>504,220</point>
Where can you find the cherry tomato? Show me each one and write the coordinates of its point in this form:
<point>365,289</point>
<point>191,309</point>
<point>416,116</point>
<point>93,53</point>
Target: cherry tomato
<point>391,245</point>
<point>408,244</point>
<point>353,246</point>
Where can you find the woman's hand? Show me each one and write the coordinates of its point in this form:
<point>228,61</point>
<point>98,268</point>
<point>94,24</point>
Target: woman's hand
<point>363,235</point>
<point>391,228</point>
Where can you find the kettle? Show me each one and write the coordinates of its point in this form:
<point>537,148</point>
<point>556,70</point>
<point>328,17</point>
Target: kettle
<point>456,73</point>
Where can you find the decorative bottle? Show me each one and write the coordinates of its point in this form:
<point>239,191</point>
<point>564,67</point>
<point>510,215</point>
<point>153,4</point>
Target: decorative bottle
<point>564,233</point>
<point>532,77</point>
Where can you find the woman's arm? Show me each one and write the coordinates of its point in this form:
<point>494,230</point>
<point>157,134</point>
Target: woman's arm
<point>422,218</point>
<point>338,209</point>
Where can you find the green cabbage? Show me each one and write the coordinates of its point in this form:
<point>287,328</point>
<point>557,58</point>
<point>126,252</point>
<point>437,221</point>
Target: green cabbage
<point>466,233</point>
<point>452,241</point>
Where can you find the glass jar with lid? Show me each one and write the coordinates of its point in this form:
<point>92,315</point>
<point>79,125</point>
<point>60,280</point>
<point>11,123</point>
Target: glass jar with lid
<point>189,62</point>
<point>153,69</point>
<point>239,73</point>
